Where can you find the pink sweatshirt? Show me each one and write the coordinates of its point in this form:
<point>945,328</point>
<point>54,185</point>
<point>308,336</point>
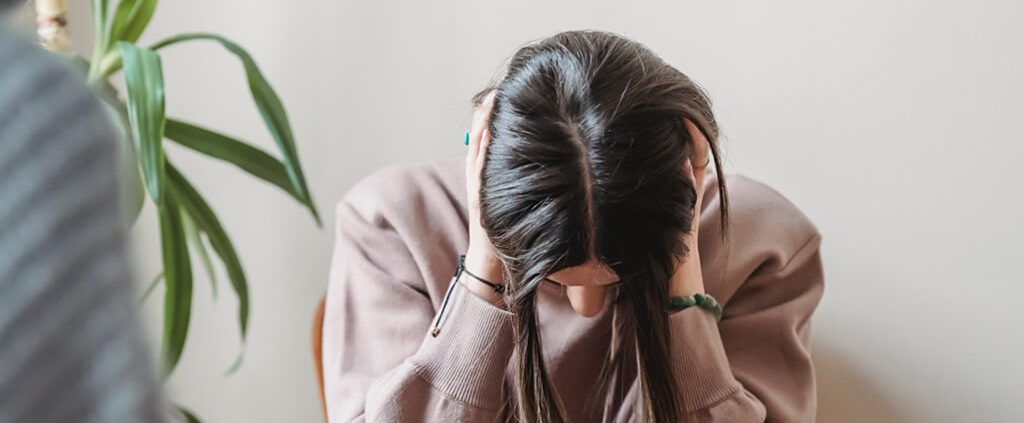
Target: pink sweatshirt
<point>399,233</point>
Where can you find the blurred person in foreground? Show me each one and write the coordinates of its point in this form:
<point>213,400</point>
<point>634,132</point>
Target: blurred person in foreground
<point>71,348</point>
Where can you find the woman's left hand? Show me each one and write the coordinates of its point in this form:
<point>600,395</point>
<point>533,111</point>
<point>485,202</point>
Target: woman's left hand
<point>688,278</point>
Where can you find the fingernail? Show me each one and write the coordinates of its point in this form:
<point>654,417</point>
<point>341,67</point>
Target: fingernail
<point>467,138</point>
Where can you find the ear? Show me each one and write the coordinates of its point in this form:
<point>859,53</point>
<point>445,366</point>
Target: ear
<point>700,146</point>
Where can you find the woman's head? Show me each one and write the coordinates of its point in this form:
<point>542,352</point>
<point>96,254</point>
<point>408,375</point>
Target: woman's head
<point>584,185</point>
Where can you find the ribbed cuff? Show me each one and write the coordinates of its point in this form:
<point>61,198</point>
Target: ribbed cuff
<point>468,357</point>
<point>701,365</point>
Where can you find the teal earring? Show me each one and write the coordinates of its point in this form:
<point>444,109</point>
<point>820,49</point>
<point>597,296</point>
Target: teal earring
<point>467,138</point>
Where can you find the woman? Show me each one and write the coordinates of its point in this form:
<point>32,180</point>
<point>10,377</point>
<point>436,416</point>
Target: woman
<point>575,215</point>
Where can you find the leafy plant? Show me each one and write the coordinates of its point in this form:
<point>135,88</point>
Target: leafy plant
<point>187,222</point>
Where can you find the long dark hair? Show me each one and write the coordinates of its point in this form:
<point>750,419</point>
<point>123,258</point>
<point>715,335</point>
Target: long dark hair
<point>586,161</point>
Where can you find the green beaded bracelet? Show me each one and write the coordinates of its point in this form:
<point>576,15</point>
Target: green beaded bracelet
<point>704,301</point>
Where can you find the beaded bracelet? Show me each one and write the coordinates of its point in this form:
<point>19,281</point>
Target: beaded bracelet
<point>704,301</point>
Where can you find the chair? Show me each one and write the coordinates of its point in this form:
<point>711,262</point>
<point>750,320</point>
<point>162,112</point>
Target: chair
<point>318,359</point>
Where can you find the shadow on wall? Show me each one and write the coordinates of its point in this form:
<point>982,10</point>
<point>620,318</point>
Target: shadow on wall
<point>845,395</point>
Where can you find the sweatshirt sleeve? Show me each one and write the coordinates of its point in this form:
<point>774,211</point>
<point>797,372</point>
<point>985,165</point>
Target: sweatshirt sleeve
<point>381,361</point>
<point>755,364</point>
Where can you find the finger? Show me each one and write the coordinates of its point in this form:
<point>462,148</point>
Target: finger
<point>485,142</point>
<point>701,158</point>
<point>695,175</point>
<point>473,144</point>
<point>480,119</point>
<point>480,116</point>
<point>697,205</point>
<point>700,145</point>
<point>470,158</point>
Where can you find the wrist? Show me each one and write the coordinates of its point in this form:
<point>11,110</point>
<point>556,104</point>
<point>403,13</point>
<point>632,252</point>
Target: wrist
<point>487,267</point>
<point>484,263</point>
<point>688,278</point>
<point>481,290</point>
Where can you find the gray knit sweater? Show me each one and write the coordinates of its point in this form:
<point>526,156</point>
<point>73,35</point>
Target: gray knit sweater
<point>70,344</point>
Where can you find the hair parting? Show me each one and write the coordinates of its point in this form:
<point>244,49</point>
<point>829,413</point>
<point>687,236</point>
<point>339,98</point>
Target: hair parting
<point>588,140</point>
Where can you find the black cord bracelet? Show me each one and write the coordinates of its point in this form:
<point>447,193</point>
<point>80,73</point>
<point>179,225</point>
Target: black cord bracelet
<point>461,267</point>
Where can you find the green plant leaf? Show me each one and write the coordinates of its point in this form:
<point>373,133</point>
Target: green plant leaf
<point>237,364</point>
<point>144,82</point>
<point>206,220</point>
<point>189,416</point>
<point>250,159</point>
<point>270,107</point>
<point>128,159</point>
<point>135,191</point>
<point>100,17</point>
<point>131,19</point>
<point>106,65</point>
<point>178,283</point>
<point>152,286</point>
<point>195,239</point>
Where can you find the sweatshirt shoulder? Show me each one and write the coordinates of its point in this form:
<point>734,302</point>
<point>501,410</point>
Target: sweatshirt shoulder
<point>763,219</point>
<point>400,189</point>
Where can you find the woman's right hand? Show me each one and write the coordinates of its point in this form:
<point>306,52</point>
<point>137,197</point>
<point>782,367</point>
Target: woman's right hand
<point>481,258</point>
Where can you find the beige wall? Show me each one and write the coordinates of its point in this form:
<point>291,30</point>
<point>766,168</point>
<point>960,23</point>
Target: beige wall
<point>894,125</point>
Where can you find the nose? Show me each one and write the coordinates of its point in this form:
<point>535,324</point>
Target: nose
<point>587,301</point>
